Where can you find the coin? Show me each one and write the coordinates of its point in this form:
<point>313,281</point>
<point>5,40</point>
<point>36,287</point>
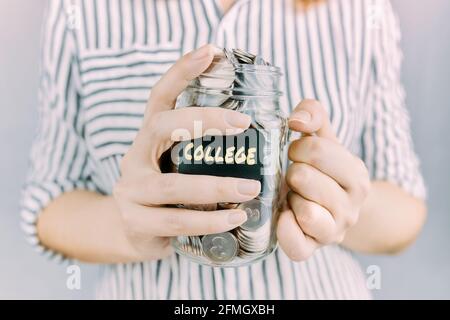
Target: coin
<point>191,245</point>
<point>229,54</point>
<point>196,245</point>
<point>253,243</point>
<point>219,74</point>
<point>231,104</point>
<point>220,247</point>
<point>243,56</point>
<point>257,214</point>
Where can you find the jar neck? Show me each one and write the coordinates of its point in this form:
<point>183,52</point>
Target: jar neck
<point>228,76</point>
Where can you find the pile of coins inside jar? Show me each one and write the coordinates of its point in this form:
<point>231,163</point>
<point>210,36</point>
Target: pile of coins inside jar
<point>244,82</point>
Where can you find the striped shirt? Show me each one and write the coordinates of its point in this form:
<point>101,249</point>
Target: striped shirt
<point>101,58</point>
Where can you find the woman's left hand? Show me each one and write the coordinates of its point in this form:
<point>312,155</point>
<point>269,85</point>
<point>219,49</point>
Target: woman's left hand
<point>327,185</point>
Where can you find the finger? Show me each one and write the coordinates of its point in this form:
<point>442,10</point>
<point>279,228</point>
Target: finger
<point>291,238</point>
<point>316,186</point>
<point>174,188</point>
<point>184,124</point>
<point>177,78</point>
<point>313,219</point>
<point>310,117</point>
<point>170,222</point>
<point>194,122</point>
<point>333,160</point>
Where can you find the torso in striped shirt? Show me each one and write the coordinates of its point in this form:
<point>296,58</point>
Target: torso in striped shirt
<point>96,82</point>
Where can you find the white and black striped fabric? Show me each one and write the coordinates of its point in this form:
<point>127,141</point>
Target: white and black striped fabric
<point>100,60</point>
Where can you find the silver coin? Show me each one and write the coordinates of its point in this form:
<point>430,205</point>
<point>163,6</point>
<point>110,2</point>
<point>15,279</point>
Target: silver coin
<point>243,56</point>
<point>219,74</point>
<point>196,244</point>
<point>231,104</point>
<point>187,98</point>
<point>190,244</point>
<point>220,247</point>
<point>253,242</point>
<point>257,214</point>
<point>231,57</point>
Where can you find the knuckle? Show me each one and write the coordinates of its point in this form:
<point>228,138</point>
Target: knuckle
<point>339,238</point>
<point>207,115</point>
<point>167,184</point>
<point>298,175</point>
<point>366,186</point>
<point>213,120</point>
<point>129,226</point>
<point>165,250</point>
<point>292,150</point>
<point>308,217</point>
<point>183,69</point>
<point>211,226</point>
<point>175,223</point>
<point>316,151</point>
<point>351,219</point>
<point>344,205</point>
<point>292,199</point>
<point>363,187</point>
<point>331,235</point>
<point>154,122</point>
<point>156,93</point>
<point>222,188</point>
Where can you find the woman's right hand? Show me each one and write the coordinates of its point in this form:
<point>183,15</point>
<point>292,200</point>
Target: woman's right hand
<point>143,192</point>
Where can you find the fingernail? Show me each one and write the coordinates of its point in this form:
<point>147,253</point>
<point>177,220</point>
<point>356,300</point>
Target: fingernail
<point>301,116</point>
<point>237,120</point>
<point>201,53</point>
<point>249,187</point>
<point>237,217</point>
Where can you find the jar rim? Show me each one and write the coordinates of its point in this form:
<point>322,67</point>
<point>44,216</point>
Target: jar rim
<point>242,93</point>
<point>243,67</point>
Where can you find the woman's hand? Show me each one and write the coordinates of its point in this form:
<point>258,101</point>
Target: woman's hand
<point>327,183</point>
<point>143,192</point>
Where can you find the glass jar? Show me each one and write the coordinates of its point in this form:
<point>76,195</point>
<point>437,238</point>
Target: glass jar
<point>243,82</point>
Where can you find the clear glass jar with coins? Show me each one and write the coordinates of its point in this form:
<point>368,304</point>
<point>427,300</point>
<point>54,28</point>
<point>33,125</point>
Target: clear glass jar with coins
<point>239,81</point>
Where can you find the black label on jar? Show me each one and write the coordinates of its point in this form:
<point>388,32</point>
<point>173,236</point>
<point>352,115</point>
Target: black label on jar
<point>239,156</point>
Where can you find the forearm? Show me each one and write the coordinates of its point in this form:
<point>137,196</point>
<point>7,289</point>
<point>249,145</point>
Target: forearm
<point>390,220</point>
<point>85,226</point>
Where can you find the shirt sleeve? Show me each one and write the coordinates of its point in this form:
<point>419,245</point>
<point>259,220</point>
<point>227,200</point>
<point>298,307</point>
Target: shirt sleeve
<point>59,160</point>
<point>387,146</point>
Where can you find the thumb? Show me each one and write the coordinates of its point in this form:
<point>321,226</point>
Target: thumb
<point>166,91</point>
<point>310,117</point>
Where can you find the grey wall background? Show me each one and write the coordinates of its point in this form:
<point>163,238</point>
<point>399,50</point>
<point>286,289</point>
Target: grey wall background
<point>421,272</point>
